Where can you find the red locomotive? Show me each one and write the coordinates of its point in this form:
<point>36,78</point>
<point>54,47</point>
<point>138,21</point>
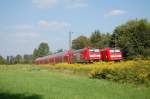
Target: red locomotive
<point>108,54</point>
<point>85,55</point>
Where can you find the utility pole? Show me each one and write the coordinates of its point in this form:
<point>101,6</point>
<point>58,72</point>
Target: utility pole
<point>70,41</point>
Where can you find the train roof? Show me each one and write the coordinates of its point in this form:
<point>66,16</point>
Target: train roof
<point>53,55</point>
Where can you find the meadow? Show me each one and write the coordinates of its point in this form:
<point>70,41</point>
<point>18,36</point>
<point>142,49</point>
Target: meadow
<point>133,71</point>
<point>63,81</point>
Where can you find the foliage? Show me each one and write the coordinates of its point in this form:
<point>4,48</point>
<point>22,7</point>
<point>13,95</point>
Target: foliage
<point>100,40</point>
<point>106,40</point>
<point>80,42</point>
<point>42,50</point>
<point>18,59</point>
<point>137,72</point>
<point>2,60</point>
<point>10,60</point>
<point>132,72</point>
<point>35,54</point>
<point>95,39</point>
<point>133,38</point>
<point>27,59</point>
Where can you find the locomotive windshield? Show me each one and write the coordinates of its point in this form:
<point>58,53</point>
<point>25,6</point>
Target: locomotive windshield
<point>115,51</point>
<point>94,50</point>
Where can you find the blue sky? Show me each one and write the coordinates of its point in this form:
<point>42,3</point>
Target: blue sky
<point>26,23</point>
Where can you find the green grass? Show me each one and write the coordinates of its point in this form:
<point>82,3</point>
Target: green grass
<point>30,82</point>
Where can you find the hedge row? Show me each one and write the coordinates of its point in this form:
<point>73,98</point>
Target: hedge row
<point>137,74</point>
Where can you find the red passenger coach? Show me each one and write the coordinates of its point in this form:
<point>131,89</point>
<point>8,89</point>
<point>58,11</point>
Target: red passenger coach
<point>109,54</point>
<point>41,60</point>
<point>63,57</point>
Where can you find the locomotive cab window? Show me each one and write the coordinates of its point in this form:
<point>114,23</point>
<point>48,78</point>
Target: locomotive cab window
<point>94,50</point>
<point>115,51</point>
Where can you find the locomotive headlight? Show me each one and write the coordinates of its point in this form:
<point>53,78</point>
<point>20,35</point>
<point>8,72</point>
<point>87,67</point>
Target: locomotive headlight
<point>91,55</point>
<point>98,55</point>
<point>115,56</point>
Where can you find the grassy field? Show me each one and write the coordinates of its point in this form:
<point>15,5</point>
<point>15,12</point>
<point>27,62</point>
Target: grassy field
<point>31,82</point>
<point>133,71</point>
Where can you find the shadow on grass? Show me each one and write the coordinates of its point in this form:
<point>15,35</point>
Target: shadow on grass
<point>19,96</point>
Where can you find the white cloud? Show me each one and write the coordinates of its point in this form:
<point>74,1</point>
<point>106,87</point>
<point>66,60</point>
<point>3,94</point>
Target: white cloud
<point>77,3</point>
<point>43,23</point>
<point>115,12</point>
<point>45,3</point>
<point>53,25</point>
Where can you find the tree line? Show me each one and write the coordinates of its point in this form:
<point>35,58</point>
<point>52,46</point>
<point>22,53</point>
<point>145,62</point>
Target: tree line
<point>18,59</point>
<point>133,38</point>
<point>42,50</point>
<point>96,40</point>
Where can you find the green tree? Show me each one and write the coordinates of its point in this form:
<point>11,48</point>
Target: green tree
<point>35,54</point>
<point>106,40</point>
<point>133,38</point>
<point>2,60</point>
<point>95,39</point>
<point>80,42</point>
<point>42,50</point>
<point>11,60</point>
<point>18,59</point>
<point>27,59</point>
<point>8,60</point>
<point>99,40</point>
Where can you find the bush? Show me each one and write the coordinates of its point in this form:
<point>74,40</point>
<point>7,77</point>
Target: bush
<point>137,74</point>
<point>135,71</point>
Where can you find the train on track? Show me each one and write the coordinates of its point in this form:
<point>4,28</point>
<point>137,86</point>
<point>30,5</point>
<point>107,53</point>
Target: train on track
<point>85,55</point>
